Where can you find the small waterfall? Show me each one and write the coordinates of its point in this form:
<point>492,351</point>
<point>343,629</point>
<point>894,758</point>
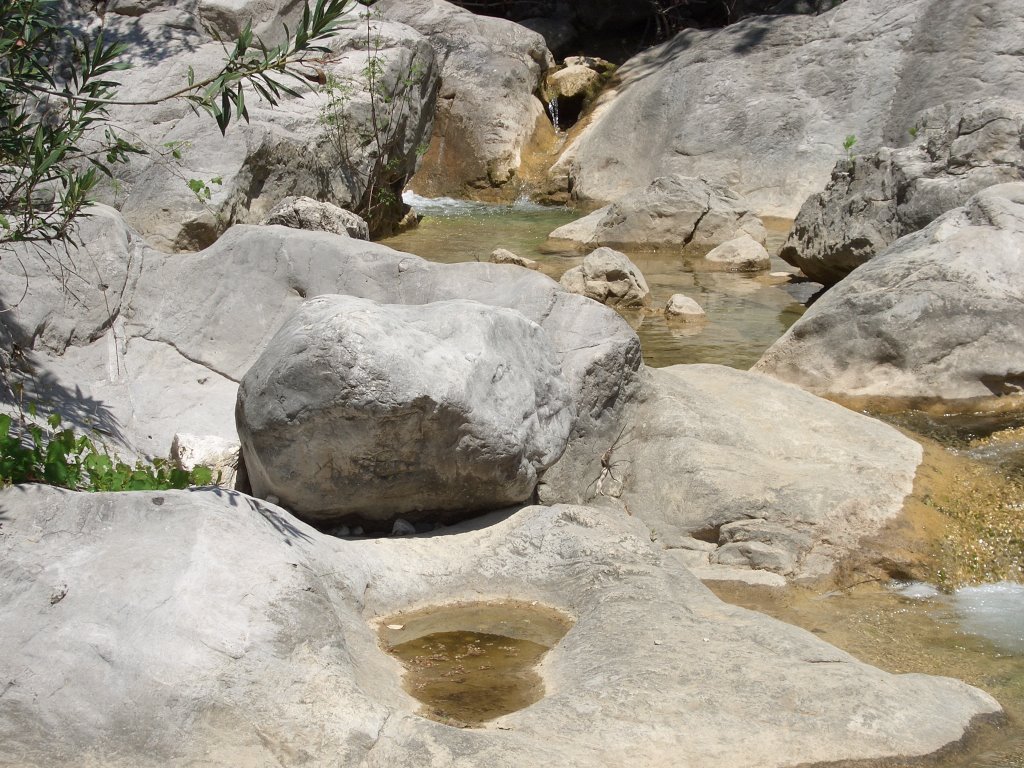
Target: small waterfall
<point>553,112</point>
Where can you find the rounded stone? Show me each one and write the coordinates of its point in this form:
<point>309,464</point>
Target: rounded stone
<point>371,411</point>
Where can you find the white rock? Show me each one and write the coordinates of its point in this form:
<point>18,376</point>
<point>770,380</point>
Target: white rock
<point>741,254</point>
<point>682,307</point>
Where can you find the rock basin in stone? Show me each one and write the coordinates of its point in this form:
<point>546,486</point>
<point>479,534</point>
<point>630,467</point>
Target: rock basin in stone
<point>470,663</point>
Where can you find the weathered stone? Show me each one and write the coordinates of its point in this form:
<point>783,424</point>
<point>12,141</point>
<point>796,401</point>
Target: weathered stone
<point>487,113</point>
<point>762,545</point>
<point>672,212</point>
<point>305,146</point>
<point>873,200</point>
<point>504,256</point>
<point>361,409</point>
<point>609,277</point>
<point>936,314</point>
<point>765,104</point>
<point>573,80</point>
<point>709,445</point>
<point>57,295</point>
<point>756,555</point>
<point>169,358</point>
<point>741,254</point>
<point>681,307</point>
<point>307,213</point>
<point>220,455</point>
<point>262,620</point>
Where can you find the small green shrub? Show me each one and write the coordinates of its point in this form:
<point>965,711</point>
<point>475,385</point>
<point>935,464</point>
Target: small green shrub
<point>848,143</point>
<point>31,453</point>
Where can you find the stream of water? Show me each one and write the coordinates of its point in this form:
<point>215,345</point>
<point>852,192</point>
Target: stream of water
<point>975,633</point>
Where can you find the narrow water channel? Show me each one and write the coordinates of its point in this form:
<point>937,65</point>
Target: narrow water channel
<point>976,636</point>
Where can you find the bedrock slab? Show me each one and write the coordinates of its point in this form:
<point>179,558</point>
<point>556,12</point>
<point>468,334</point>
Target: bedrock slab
<point>208,628</point>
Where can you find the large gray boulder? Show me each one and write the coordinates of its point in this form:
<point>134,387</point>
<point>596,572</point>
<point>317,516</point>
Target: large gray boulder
<point>708,446</point>
<point>936,314</point>
<point>208,628</point>
<point>487,112</point>
<point>168,357</point>
<point>671,212</point>
<point>765,104</point>
<point>610,277</point>
<point>370,410</point>
<point>873,200</point>
<point>309,145</point>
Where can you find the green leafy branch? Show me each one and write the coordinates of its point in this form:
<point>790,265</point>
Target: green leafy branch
<point>55,455</point>
<point>47,170</point>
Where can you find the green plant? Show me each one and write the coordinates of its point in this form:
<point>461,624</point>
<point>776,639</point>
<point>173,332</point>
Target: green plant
<point>372,148</point>
<point>848,143</point>
<point>56,139</point>
<point>49,453</point>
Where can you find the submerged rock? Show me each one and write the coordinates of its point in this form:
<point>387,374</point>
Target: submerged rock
<point>363,409</point>
<point>684,308</point>
<point>263,622</point>
<point>609,277</point>
<point>936,314</point>
<point>873,200</point>
<point>741,254</point>
<point>672,212</point>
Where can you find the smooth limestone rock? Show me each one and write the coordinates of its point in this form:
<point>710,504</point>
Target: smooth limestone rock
<point>873,200</point>
<point>800,479</point>
<point>765,104</point>
<point>209,628</point>
<point>683,308</point>
<point>671,212</point>
<point>307,213</point>
<point>168,358</point>
<point>306,146</point>
<point>608,276</point>
<point>373,410</point>
<point>486,113</point>
<point>937,314</point>
<point>741,254</point>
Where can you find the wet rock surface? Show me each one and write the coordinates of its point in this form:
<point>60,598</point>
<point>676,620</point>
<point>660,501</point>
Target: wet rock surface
<point>293,606</point>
